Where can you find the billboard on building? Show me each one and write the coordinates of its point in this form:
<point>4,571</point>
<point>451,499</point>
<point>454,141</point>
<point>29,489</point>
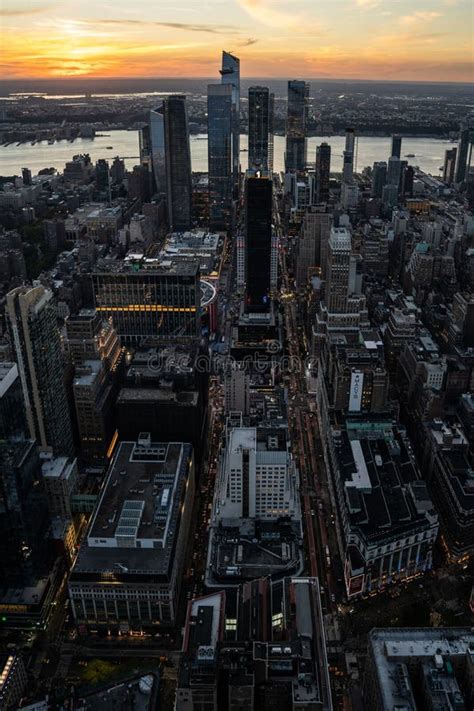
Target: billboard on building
<point>355,393</point>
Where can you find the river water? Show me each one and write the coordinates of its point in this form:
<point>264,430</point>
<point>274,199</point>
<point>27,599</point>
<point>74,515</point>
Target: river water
<point>428,152</point>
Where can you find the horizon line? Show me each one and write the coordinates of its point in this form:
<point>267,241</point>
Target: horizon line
<point>212,77</point>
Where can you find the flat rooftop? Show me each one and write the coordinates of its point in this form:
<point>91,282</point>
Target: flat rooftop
<point>136,522</point>
<point>378,474</point>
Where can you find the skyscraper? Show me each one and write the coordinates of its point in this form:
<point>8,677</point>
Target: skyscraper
<point>379,178</point>
<point>348,156</point>
<point>12,404</point>
<point>259,127</point>
<point>463,153</point>
<point>157,148</point>
<point>338,270</point>
<point>396,146</point>
<point>449,165</point>
<point>37,347</point>
<point>219,147</point>
<point>25,549</point>
<point>230,73</point>
<point>178,162</point>
<point>258,241</point>
<point>323,169</point>
<point>393,171</point>
<point>298,96</point>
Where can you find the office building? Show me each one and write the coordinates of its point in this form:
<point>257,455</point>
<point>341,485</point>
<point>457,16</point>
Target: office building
<point>128,572</point>
<point>13,679</point>
<point>349,195</point>
<point>448,466</point>
<point>257,476</point>
<point>386,522</point>
<point>237,388</point>
<point>230,74</point>
<point>463,153</point>
<point>390,195</point>
<point>323,172</point>
<point>419,668</point>
<point>258,242</point>
<point>25,548</point>
<point>312,244</point>
<point>396,146</point>
<point>35,337</point>
<point>276,657</point>
<point>219,151</point>
<point>178,162</point>
<point>355,378</point>
<point>343,309</point>
<point>298,97</point>
<point>150,300</point>
<point>12,404</point>
<point>379,178</point>
<point>165,390</point>
<point>449,165</point>
<point>157,148</point>
<point>60,477</point>
<point>394,171</point>
<point>91,337</point>
<point>260,120</point>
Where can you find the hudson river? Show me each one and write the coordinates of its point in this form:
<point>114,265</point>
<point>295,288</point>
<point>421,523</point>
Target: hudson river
<point>428,152</point>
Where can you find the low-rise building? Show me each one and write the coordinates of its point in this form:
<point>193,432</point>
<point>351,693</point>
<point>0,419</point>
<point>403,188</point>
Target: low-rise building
<point>128,572</point>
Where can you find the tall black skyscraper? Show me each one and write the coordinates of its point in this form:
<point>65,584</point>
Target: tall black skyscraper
<point>178,162</point>
<point>219,148</point>
<point>298,96</point>
<point>379,178</point>
<point>258,242</point>
<point>323,170</point>
<point>396,146</point>
<point>260,106</point>
<point>230,73</point>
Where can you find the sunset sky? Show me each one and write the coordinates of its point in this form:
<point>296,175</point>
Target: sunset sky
<point>355,39</point>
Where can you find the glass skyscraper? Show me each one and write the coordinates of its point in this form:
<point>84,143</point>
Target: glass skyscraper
<point>36,342</point>
<point>260,120</point>
<point>295,156</point>
<point>230,73</point>
<point>157,148</point>
<point>178,163</point>
<point>220,154</point>
<point>323,170</point>
<point>258,242</point>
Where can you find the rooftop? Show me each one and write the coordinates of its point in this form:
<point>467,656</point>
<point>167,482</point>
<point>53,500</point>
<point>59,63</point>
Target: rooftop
<point>137,519</point>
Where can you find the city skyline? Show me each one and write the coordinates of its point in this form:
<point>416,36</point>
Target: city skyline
<point>350,39</point>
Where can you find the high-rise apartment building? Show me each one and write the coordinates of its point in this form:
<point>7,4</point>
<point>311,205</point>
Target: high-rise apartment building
<point>37,348</point>
<point>260,121</point>
<point>323,171</point>
<point>220,157</point>
<point>295,155</point>
<point>258,242</point>
<point>178,162</point>
<point>312,244</point>
<point>230,73</point>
